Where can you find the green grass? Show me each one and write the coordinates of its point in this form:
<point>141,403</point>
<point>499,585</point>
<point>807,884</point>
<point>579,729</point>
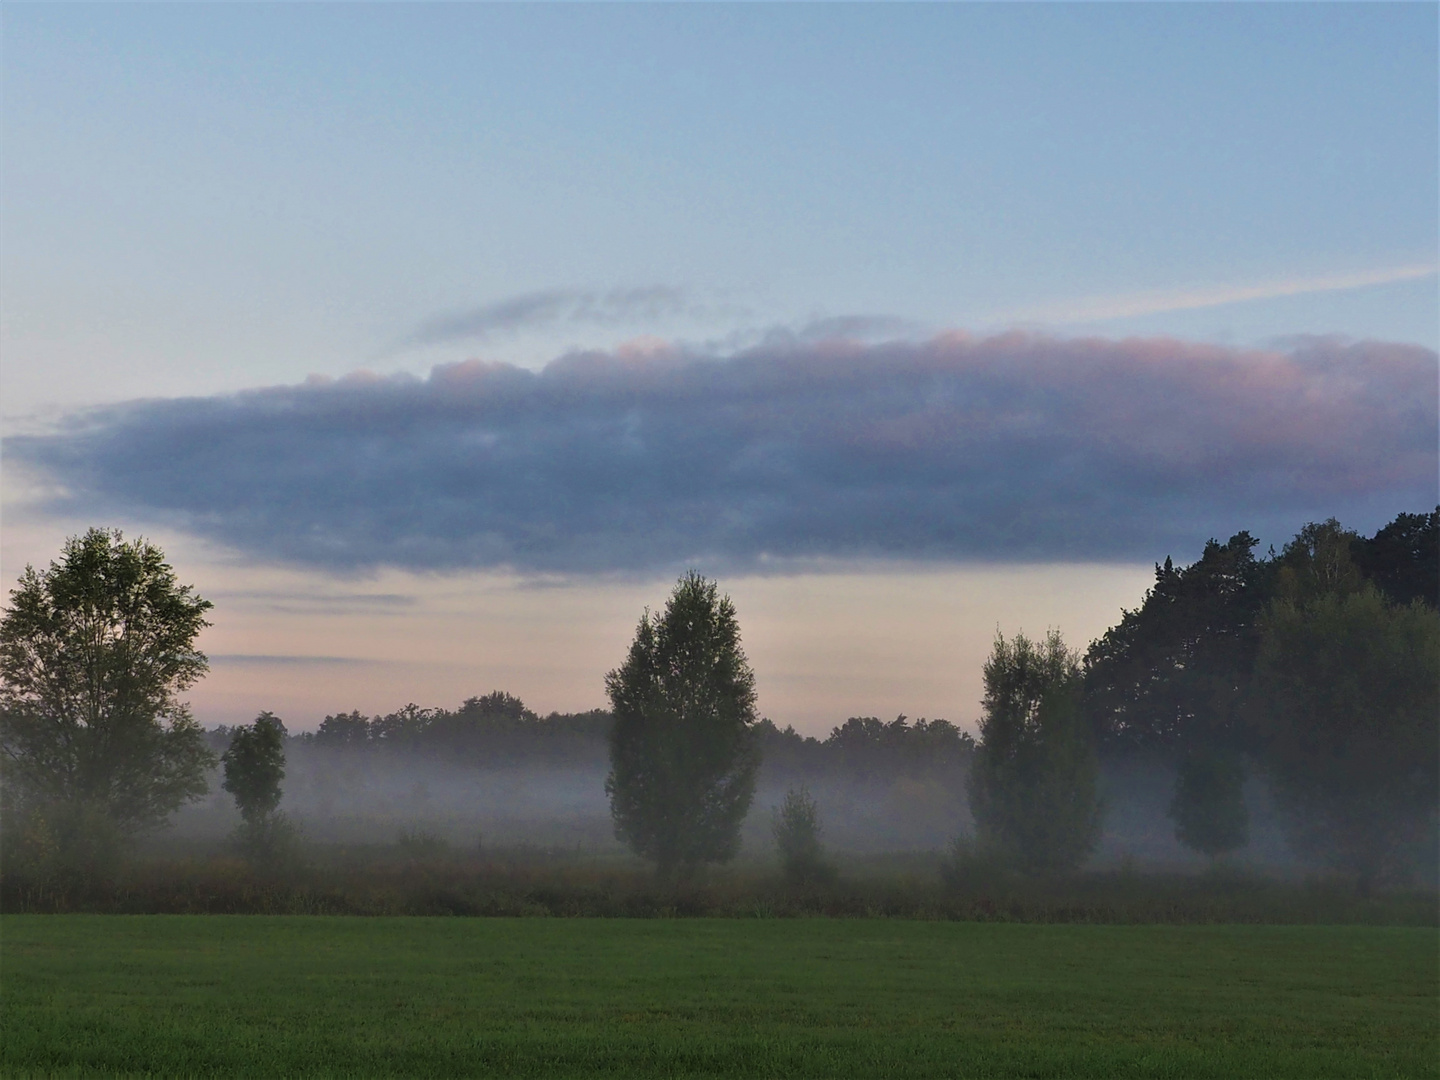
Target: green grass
<point>277,996</point>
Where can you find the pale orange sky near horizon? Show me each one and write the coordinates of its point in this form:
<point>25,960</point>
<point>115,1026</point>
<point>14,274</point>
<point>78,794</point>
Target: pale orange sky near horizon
<point>825,645</point>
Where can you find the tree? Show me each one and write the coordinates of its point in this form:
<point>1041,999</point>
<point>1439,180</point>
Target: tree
<point>94,653</point>
<point>682,756</point>
<point>1172,672</point>
<point>254,765</point>
<point>795,824</point>
<point>1347,690</point>
<point>1171,680</point>
<point>344,729</point>
<point>1032,786</point>
<point>1403,558</point>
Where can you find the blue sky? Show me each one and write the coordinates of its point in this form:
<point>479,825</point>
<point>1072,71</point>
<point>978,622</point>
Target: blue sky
<point>200,200</point>
<point>226,196</point>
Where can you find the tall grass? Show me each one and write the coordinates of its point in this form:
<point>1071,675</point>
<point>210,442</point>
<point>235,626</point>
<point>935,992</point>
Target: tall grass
<point>419,877</point>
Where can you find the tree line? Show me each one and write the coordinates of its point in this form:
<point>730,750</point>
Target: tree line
<point>1318,665</point>
<point>498,729</point>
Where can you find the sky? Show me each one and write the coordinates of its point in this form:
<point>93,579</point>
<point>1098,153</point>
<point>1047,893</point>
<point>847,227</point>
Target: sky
<point>434,342</point>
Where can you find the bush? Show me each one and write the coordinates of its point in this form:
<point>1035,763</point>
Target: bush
<point>796,827</point>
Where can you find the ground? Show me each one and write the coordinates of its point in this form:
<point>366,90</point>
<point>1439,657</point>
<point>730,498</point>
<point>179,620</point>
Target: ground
<point>318,996</point>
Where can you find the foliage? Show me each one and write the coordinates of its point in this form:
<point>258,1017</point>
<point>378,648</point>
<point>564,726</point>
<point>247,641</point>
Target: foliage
<point>94,652</point>
<point>1347,695</point>
<point>273,842</point>
<point>683,757</point>
<point>1175,676</point>
<point>498,729</point>
<point>864,745</point>
<point>254,766</point>
<point>795,824</point>
<point>1402,560</point>
<point>1209,804</point>
<point>969,864</point>
<point>1318,563</point>
<point>344,729</point>
<point>494,729</point>
<point>426,876</point>
<point>1172,673</point>
<point>1032,788</point>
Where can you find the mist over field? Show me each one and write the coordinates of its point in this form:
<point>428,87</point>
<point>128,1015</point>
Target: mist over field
<point>552,800</point>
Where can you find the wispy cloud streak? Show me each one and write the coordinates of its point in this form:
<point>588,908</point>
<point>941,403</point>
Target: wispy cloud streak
<point>1160,301</point>
<point>1015,448</point>
<point>551,308</point>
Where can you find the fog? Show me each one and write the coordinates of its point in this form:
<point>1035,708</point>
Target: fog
<point>555,802</point>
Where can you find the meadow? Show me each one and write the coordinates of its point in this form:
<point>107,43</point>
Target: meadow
<point>336,996</point>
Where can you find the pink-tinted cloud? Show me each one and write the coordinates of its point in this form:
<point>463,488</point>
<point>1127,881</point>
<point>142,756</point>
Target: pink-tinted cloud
<point>1016,447</point>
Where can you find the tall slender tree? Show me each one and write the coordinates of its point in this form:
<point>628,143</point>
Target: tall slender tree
<point>682,754</point>
<point>254,766</point>
<point>1033,781</point>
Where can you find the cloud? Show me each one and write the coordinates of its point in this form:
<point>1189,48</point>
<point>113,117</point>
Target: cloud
<point>318,603</point>
<point>554,307</point>
<point>1014,448</point>
<point>1159,301</point>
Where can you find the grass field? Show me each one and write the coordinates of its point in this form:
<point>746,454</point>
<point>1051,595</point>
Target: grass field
<point>313,996</point>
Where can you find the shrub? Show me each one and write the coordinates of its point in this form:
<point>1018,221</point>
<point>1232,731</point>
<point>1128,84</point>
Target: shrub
<point>796,827</point>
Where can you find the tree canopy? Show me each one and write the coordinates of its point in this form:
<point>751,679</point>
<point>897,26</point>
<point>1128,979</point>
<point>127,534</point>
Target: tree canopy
<point>683,756</point>
<point>254,767</point>
<point>1033,783</point>
<point>1347,692</point>
<point>94,653</point>
<point>1203,673</point>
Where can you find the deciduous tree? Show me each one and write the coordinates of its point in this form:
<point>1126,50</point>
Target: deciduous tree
<point>1347,694</point>
<point>682,756</point>
<point>254,765</point>
<point>795,824</point>
<point>1033,783</point>
<point>94,653</point>
<point>1208,807</point>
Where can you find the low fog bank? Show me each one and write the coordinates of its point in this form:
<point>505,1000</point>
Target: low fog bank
<point>539,783</point>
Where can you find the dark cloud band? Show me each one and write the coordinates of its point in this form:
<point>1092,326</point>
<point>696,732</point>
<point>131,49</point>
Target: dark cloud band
<point>1011,448</point>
